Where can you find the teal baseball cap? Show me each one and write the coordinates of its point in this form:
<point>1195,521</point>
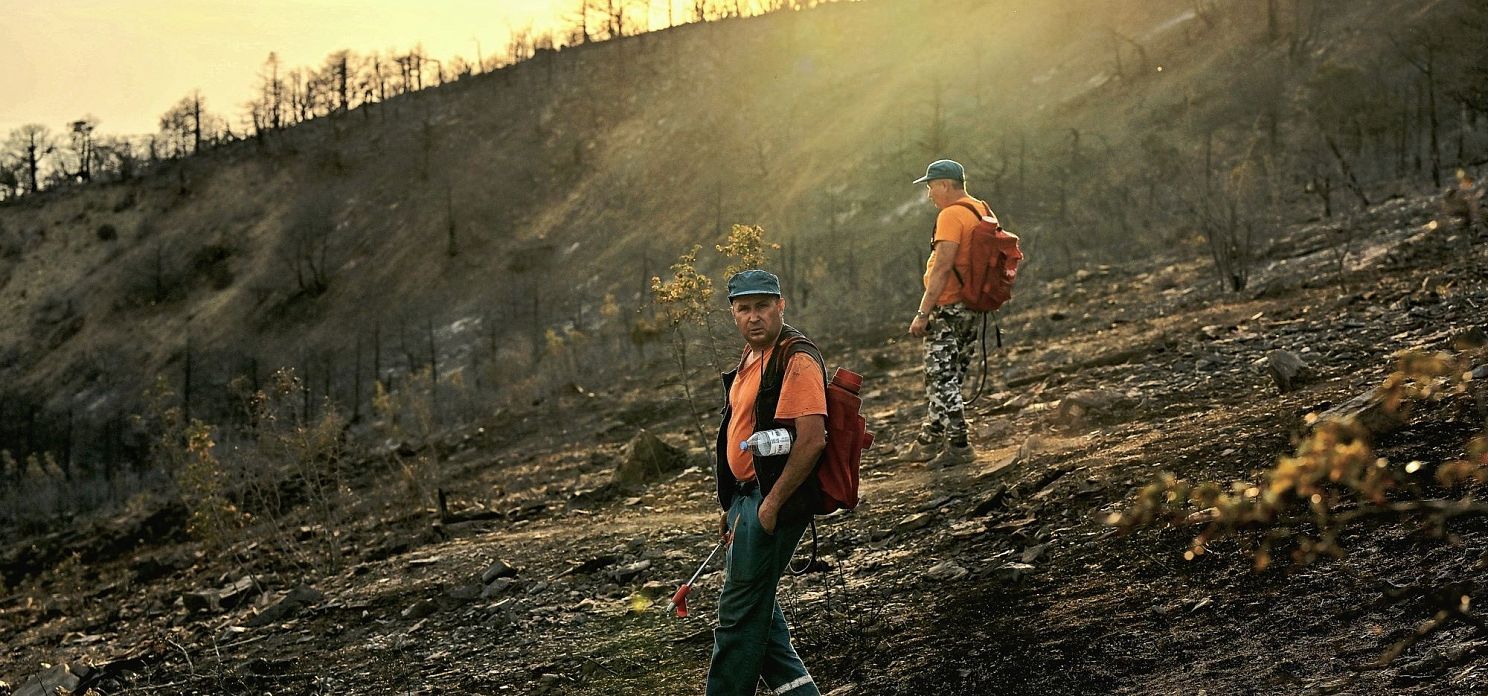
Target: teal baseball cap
<point>943,169</point>
<point>753,282</point>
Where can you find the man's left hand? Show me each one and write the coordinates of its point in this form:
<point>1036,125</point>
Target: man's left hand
<point>768,511</point>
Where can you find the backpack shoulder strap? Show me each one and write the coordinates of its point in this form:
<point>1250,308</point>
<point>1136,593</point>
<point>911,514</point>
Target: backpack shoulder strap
<point>974,210</point>
<point>977,212</point>
<point>791,342</point>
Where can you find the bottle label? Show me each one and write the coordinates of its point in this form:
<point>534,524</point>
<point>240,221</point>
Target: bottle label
<point>768,443</point>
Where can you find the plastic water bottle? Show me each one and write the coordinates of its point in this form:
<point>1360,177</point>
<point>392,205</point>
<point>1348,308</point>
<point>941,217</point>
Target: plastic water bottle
<point>768,443</point>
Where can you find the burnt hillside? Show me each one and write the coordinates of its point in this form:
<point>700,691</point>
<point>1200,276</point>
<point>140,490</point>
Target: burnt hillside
<point>458,280</point>
<point>453,210</point>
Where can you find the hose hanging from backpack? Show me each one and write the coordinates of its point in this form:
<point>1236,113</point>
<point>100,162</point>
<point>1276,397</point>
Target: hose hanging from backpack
<point>982,382</point>
<point>791,567</point>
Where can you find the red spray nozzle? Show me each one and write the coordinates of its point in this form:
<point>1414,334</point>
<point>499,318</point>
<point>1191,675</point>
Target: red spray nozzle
<point>679,600</point>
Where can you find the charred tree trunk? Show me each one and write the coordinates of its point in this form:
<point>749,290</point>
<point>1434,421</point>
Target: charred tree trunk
<point>356,382</point>
<point>305,411</point>
<point>433,372</point>
<point>452,246</point>
<point>1347,170</point>
<point>376,353</point>
<point>1402,138</point>
<point>66,458</point>
<point>186,383</point>
<point>1432,121</point>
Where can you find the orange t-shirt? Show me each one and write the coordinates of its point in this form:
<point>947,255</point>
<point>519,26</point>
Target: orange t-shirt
<point>953,224</point>
<point>802,393</point>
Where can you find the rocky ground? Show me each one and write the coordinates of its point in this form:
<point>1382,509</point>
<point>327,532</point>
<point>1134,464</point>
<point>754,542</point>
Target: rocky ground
<point>1002,576</point>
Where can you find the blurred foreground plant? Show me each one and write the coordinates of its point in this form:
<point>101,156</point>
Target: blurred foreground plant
<point>1334,481</point>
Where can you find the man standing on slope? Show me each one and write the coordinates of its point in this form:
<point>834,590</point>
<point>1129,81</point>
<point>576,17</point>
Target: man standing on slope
<point>780,382</point>
<point>947,326</point>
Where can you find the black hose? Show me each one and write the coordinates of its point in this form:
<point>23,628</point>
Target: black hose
<point>791,567</point>
<point>982,383</point>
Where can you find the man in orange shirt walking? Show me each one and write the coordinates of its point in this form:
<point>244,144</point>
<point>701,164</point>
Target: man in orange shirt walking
<point>767,501</point>
<point>946,325</point>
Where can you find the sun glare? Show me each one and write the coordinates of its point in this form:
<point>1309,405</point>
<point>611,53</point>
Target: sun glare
<point>127,61</point>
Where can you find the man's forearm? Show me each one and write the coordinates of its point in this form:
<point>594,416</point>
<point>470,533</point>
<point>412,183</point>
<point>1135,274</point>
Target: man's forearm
<point>941,268</point>
<point>797,468</point>
<point>937,283</point>
<point>927,301</point>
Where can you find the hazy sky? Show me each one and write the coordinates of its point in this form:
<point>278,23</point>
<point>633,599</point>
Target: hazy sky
<point>128,61</point>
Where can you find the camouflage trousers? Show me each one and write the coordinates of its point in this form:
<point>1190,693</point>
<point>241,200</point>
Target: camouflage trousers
<point>948,350</point>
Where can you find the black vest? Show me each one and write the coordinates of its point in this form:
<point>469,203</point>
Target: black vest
<point>802,504</point>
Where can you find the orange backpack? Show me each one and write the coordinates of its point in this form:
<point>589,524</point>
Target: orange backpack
<point>994,254</point>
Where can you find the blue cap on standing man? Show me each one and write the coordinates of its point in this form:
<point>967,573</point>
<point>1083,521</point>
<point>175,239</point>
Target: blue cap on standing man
<point>943,169</point>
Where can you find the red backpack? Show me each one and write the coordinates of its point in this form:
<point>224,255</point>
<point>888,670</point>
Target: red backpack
<point>847,438</point>
<point>836,475</point>
<point>994,254</point>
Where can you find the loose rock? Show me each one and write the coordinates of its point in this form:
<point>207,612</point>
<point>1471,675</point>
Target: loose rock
<point>292,604</point>
<point>1013,573</point>
<point>990,502</point>
<point>919,520</point>
<point>647,458</point>
<point>1092,406</point>
<point>499,569</point>
<point>1287,370</point>
<point>995,430</point>
<point>590,565</point>
<point>64,678</point>
<point>1370,410</point>
<point>656,588</point>
<point>946,571</point>
<point>497,587</point>
<point>465,593</point>
<point>1469,339</point>
<point>626,573</point>
<point>421,609</point>
<point>223,598</point>
<point>935,504</point>
<point>969,529</point>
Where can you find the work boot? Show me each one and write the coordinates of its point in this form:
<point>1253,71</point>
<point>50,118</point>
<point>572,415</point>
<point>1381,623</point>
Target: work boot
<point>953,455</point>
<point>922,450</point>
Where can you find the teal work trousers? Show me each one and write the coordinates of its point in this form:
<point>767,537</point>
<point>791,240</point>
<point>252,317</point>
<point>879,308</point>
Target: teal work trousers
<point>752,641</point>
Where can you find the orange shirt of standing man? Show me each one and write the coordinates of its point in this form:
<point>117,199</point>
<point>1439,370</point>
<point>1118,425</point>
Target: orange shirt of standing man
<point>947,327</point>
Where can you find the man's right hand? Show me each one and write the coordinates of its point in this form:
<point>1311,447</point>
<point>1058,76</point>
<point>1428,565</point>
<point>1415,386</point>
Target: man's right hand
<point>920,326</point>
<point>723,530</point>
